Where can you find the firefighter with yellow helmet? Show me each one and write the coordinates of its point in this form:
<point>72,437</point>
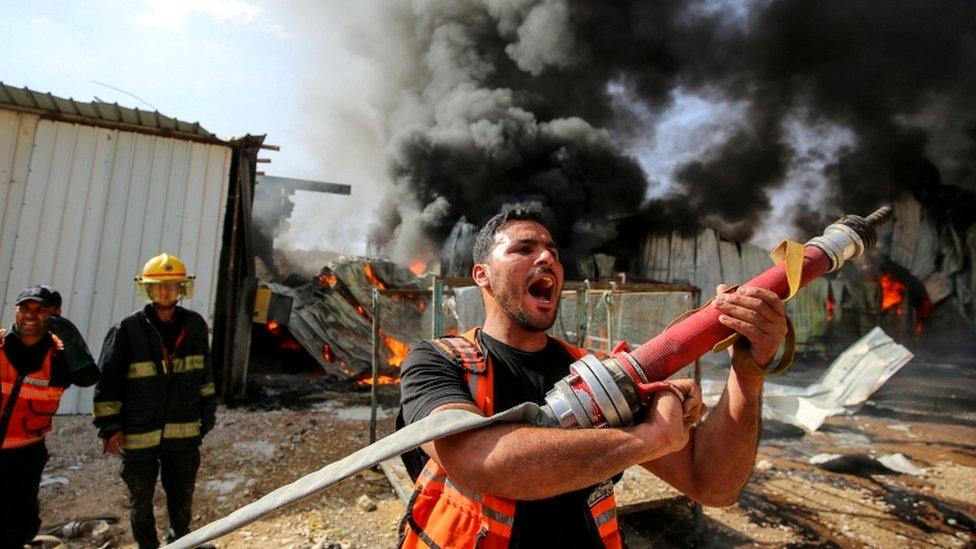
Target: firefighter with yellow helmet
<point>155,400</point>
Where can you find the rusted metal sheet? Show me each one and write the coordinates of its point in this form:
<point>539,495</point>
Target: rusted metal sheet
<point>708,261</point>
<point>731,262</point>
<point>657,255</point>
<point>682,262</point>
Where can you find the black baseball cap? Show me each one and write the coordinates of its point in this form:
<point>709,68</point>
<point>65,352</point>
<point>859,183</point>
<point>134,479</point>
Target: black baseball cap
<point>38,293</point>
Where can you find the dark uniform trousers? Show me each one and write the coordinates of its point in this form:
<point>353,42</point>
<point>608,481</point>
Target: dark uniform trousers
<point>178,469</point>
<point>20,479</point>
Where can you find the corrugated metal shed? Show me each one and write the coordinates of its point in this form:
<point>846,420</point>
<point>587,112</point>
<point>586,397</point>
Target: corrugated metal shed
<point>86,201</point>
<point>701,259</point>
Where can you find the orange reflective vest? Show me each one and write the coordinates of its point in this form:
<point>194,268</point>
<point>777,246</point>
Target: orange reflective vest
<point>35,402</point>
<point>442,514</point>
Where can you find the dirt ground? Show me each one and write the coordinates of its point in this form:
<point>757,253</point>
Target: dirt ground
<point>788,502</point>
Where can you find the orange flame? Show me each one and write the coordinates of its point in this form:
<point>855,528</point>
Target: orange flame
<point>328,280</point>
<point>381,379</point>
<point>289,344</point>
<point>327,354</point>
<point>370,273</point>
<point>418,267</point>
<point>398,350</point>
<point>285,341</point>
<point>344,368</point>
<point>830,305</point>
<point>892,292</point>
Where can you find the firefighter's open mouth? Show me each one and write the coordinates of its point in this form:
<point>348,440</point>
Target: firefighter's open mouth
<point>543,288</point>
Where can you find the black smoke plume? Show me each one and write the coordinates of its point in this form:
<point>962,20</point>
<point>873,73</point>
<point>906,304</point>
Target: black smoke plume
<point>505,101</point>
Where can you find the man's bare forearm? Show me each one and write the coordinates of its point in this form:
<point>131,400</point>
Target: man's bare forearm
<point>725,444</point>
<point>717,461</point>
<point>526,462</point>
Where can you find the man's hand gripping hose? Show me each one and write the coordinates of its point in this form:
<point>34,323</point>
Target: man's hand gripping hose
<point>597,393</point>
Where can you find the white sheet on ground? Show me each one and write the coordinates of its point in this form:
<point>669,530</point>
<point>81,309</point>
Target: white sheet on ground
<point>857,373</point>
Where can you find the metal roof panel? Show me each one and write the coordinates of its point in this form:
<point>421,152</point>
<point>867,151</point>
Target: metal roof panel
<point>97,111</point>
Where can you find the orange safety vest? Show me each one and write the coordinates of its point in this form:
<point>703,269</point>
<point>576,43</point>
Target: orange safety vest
<point>442,514</point>
<point>35,405</point>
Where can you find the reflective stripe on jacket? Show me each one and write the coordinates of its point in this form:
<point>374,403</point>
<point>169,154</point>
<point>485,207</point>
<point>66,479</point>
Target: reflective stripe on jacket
<point>442,514</point>
<point>35,405</point>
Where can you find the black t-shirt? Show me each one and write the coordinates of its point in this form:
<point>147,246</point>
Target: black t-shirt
<point>429,380</point>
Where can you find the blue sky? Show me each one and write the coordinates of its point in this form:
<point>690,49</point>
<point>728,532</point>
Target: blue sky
<point>235,66</point>
<point>199,61</point>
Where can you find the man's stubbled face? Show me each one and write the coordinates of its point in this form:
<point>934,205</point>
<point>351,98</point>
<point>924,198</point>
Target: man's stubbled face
<point>526,275</point>
<point>30,318</point>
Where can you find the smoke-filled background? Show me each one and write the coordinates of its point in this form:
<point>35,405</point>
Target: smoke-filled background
<point>762,119</point>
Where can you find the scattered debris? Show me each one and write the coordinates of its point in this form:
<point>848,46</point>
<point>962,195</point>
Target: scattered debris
<point>257,448</point>
<point>898,462</point>
<point>225,486</point>
<point>50,480</point>
<point>865,465</point>
<point>366,503</point>
<point>362,413</point>
<point>846,385</point>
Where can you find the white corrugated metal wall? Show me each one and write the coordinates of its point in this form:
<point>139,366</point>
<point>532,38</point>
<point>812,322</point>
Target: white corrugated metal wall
<point>83,207</point>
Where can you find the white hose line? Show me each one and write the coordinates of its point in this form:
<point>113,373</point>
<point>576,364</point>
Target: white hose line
<point>433,427</point>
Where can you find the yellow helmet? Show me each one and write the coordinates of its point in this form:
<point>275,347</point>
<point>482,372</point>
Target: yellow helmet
<point>164,268</point>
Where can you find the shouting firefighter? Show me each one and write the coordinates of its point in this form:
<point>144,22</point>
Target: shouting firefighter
<point>155,400</point>
<point>35,372</point>
<point>524,486</point>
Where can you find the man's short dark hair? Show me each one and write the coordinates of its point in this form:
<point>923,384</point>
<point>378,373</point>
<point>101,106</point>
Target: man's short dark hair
<point>485,241</point>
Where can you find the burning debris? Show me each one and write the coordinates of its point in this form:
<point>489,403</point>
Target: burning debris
<point>333,316</point>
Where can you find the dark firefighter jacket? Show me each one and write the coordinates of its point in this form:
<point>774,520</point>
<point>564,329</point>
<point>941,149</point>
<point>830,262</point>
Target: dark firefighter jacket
<point>159,398</point>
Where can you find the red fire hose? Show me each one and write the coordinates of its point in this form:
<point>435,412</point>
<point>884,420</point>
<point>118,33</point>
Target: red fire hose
<point>609,392</point>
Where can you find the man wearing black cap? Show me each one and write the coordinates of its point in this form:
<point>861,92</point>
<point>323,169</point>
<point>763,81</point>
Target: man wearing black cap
<point>34,373</point>
<point>75,349</point>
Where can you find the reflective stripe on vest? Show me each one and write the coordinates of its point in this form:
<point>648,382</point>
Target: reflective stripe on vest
<point>443,520</point>
<point>108,408</point>
<point>141,441</point>
<point>187,364</point>
<point>35,405</point>
<point>141,369</point>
